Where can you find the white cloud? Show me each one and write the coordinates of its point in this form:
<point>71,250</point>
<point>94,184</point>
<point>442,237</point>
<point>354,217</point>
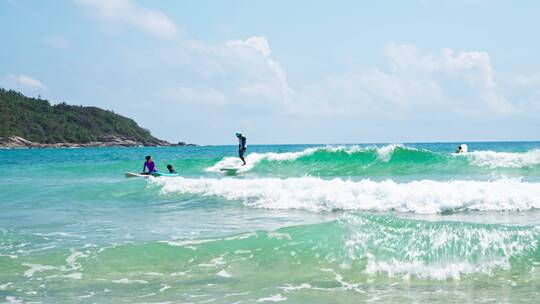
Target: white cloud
<point>236,68</point>
<point>22,82</point>
<point>277,74</point>
<point>472,69</point>
<point>129,13</point>
<point>257,43</point>
<point>242,70</point>
<point>461,83</point>
<point>58,42</point>
<point>243,75</point>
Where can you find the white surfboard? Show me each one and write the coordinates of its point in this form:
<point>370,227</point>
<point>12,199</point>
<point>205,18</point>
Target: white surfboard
<point>131,174</point>
<point>229,171</point>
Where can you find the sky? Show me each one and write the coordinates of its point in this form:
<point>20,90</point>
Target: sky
<point>285,71</point>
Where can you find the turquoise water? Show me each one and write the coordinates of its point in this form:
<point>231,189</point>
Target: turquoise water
<point>298,224</point>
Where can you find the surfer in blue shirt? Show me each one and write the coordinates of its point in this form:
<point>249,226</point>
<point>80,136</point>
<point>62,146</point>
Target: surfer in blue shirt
<point>242,147</point>
<point>150,165</point>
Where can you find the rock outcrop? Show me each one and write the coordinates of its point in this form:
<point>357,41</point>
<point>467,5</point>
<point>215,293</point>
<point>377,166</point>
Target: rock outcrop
<point>109,141</point>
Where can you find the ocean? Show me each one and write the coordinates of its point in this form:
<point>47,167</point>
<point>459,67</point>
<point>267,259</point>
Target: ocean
<point>381,223</point>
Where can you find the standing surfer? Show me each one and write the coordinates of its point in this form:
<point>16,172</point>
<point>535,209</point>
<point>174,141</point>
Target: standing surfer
<point>242,146</point>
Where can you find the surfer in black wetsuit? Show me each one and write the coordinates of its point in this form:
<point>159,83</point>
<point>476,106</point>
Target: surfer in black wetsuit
<point>171,169</point>
<point>242,146</point>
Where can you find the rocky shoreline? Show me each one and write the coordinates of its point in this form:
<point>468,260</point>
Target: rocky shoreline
<point>109,141</point>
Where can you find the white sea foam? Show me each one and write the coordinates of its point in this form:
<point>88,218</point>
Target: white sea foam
<point>74,275</point>
<point>5,286</point>
<point>289,287</point>
<point>443,271</point>
<point>503,159</point>
<point>223,273</point>
<point>128,281</point>
<point>13,300</point>
<point>214,262</point>
<point>279,235</point>
<point>273,298</point>
<point>184,243</point>
<point>385,153</point>
<point>91,294</point>
<point>71,260</point>
<point>64,234</point>
<point>315,194</point>
<point>164,287</point>
<point>33,268</point>
<point>454,250</point>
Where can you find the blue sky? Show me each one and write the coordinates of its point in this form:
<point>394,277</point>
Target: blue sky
<point>286,71</point>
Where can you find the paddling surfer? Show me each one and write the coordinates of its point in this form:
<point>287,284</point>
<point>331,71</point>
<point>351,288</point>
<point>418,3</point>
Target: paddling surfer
<point>171,169</point>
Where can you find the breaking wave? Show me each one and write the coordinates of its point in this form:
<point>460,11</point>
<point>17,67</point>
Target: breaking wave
<point>389,160</point>
<point>316,194</point>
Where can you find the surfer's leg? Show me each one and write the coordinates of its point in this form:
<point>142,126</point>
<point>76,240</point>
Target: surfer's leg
<point>241,155</point>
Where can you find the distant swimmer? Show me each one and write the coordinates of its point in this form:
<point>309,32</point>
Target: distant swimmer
<point>242,147</point>
<point>171,169</point>
<point>150,165</point>
<point>462,148</point>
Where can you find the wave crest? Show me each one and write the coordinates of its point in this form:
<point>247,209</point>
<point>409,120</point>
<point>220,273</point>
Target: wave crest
<point>386,160</point>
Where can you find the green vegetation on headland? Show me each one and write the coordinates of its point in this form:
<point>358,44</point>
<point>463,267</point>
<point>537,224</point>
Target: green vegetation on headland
<point>25,121</point>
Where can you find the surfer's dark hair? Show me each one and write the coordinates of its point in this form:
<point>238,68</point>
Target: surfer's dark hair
<point>148,157</point>
<point>169,166</point>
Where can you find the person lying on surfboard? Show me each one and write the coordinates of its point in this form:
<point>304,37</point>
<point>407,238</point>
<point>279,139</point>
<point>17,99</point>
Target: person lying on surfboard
<point>242,147</point>
<point>171,169</point>
<point>150,165</point>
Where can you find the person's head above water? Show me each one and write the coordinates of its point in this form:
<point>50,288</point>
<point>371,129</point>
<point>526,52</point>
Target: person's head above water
<point>171,169</point>
<point>238,134</point>
<point>148,158</point>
